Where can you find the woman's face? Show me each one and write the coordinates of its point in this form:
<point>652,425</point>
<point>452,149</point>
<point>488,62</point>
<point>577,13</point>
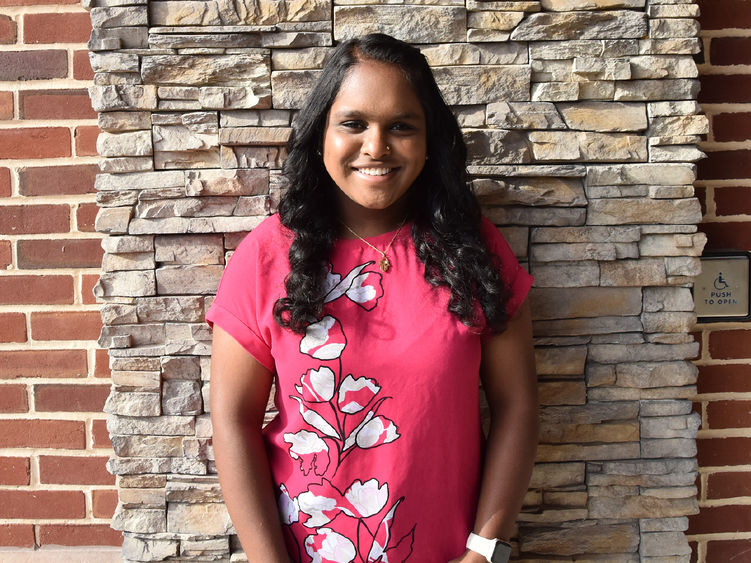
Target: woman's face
<point>374,146</point>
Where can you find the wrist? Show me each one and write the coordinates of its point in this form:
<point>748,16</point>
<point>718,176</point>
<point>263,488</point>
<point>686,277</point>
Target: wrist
<point>493,550</point>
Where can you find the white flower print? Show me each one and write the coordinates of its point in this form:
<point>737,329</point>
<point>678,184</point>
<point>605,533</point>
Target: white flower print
<point>315,420</point>
<point>378,430</point>
<point>327,546</point>
<point>356,511</point>
<point>324,340</point>
<point>366,289</point>
<point>310,449</point>
<point>383,535</point>
<point>342,417</point>
<point>355,394</point>
<point>317,385</point>
<point>366,498</point>
<point>320,509</point>
<point>288,508</point>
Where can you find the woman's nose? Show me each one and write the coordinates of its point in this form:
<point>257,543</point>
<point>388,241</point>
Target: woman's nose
<point>375,143</point>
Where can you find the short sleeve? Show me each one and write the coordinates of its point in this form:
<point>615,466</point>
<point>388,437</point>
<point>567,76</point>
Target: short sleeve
<point>516,279</point>
<point>241,305</point>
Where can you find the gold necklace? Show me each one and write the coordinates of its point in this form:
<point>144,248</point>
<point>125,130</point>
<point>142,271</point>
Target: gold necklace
<point>384,262</point>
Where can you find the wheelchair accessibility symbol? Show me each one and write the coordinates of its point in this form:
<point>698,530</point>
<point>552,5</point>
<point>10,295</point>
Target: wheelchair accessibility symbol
<point>720,283</point>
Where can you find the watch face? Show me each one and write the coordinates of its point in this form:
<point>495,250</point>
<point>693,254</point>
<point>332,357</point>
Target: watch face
<point>501,553</point>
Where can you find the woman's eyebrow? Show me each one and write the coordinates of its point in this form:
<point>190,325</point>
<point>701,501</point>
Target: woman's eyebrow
<point>354,114</point>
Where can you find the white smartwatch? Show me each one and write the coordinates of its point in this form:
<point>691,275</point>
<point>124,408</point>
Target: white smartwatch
<point>494,550</point>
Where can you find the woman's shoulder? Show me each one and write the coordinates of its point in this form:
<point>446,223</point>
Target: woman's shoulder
<point>270,234</point>
<point>495,242</point>
<point>490,233</point>
<point>267,245</point>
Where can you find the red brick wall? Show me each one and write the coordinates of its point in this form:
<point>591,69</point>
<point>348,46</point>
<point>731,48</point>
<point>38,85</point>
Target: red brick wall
<point>54,486</point>
<point>721,531</point>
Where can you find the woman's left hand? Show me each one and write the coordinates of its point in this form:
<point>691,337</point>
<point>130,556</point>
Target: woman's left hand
<point>469,557</point>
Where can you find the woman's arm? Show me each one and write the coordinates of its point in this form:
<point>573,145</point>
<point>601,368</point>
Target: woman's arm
<point>240,388</point>
<point>510,383</point>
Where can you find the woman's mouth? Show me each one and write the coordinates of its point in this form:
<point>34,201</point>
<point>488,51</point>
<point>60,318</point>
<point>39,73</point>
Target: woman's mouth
<point>374,171</point>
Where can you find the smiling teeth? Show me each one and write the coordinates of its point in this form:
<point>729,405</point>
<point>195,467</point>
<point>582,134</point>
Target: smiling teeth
<point>375,171</point>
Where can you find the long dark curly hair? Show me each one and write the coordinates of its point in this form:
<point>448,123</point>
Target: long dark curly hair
<point>445,213</point>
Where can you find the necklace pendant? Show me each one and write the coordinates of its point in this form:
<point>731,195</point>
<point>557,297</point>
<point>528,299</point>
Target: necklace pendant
<point>384,264</point>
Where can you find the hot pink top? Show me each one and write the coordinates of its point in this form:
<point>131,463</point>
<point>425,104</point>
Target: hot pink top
<point>377,448</point>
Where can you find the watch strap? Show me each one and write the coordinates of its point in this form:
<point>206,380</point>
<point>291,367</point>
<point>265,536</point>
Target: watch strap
<point>493,549</point>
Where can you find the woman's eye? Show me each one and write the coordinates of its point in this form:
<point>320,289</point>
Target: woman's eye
<point>402,127</point>
<point>353,125</point>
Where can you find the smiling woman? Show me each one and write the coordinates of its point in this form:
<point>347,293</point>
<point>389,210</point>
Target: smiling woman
<point>377,452</point>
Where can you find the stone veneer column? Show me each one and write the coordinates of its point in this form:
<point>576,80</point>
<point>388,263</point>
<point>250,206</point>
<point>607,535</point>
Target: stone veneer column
<point>582,125</point>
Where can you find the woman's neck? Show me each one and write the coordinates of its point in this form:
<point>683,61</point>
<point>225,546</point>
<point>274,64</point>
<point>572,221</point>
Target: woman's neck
<point>370,223</point>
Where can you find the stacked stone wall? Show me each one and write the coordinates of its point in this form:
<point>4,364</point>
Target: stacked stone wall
<point>720,531</point>
<point>582,127</point>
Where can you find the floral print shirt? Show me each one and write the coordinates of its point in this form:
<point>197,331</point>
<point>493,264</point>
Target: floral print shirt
<point>376,451</point>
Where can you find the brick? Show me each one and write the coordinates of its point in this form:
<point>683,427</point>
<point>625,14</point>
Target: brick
<point>70,470</point>
<point>731,126</point>
<point>733,200</point>
<point>6,105</point>
<point>726,165</point>
<point>8,30</point>
<point>88,281</point>
<point>5,254</point>
<point>719,519</point>
<point>36,290</point>
<point>59,253</point>
<point>17,535</point>
<point>13,398</point>
<point>729,551</point>
<point>729,414</point>
<point>35,142</point>
<point>85,137</point>
<point>70,397</point>
<point>82,66</point>
<point>12,327</point>
<point>728,484</point>
<point>100,435</point>
<point>76,535</point>
<point>15,471</point>
<point>729,344</point>
<point>34,219</point>
<point>33,65</point>
<point>102,363</point>
<point>4,182</point>
<point>731,378</point>
<point>56,28</point>
<point>42,504</point>
<point>55,104</point>
<point>86,217</point>
<point>721,14</point>
<point>723,451</point>
<point>104,503</point>
<point>43,363</point>
<point>730,51</point>
<point>64,434</point>
<point>736,234</point>
<point>725,88</point>
<point>66,325</point>
<point>57,180</point>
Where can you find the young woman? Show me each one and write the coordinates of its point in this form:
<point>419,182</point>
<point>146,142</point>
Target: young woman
<point>374,303</point>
